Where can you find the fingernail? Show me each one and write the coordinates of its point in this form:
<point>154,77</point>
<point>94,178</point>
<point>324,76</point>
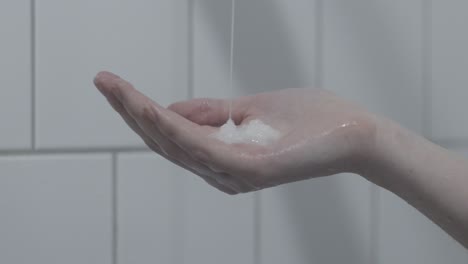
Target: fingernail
<point>98,83</point>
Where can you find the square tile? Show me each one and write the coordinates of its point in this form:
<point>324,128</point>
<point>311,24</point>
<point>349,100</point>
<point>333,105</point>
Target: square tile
<point>407,236</point>
<point>143,41</point>
<point>15,77</point>
<point>150,216</point>
<point>323,220</point>
<point>272,51</point>
<point>372,55</point>
<point>55,209</point>
<point>168,215</point>
<point>218,227</point>
<point>449,69</point>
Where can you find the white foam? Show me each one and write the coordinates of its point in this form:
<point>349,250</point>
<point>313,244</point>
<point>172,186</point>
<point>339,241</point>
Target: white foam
<point>255,132</point>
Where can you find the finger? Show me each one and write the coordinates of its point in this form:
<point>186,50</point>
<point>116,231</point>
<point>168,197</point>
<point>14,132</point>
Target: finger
<point>190,137</point>
<point>119,108</point>
<point>102,81</point>
<point>196,158</point>
<point>128,108</point>
<point>212,112</point>
<point>181,160</point>
<point>220,187</point>
<point>108,84</point>
<point>195,140</point>
<point>140,108</point>
<point>205,177</point>
<point>112,85</point>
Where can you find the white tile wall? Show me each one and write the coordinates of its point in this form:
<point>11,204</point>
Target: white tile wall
<point>219,227</point>
<point>55,209</point>
<point>413,238</point>
<point>372,55</point>
<point>15,74</point>
<point>407,236</point>
<point>325,220</point>
<point>211,48</point>
<point>144,41</point>
<point>58,208</point>
<point>288,60</point>
<point>449,69</point>
<point>278,50</point>
<point>150,209</point>
<point>167,215</point>
<point>274,50</point>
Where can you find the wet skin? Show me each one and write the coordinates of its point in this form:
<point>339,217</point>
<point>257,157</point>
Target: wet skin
<point>322,135</point>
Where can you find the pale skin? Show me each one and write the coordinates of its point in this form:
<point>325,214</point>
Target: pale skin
<point>322,135</point>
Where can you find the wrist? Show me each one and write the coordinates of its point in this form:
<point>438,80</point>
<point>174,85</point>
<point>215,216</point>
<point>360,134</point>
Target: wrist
<point>382,142</point>
<point>389,153</point>
<point>362,139</point>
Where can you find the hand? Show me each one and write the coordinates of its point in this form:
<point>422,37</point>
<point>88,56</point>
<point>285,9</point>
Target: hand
<point>320,134</point>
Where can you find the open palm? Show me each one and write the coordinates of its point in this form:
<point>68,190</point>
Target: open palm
<point>320,134</point>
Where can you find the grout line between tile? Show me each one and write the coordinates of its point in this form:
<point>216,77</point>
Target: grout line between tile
<point>257,228</point>
<point>190,49</point>
<point>375,224</point>
<point>179,217</point>
<point>426,64</point>
<point>33,73</point>
<point>318,78</point>
<point>28,152</point>
<point>114,208</point>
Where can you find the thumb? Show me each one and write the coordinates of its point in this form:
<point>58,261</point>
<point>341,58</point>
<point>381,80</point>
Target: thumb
<point>211,112</point>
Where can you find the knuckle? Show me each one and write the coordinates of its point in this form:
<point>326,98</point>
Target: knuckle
<point>148,113</point>
<point>168,130</point>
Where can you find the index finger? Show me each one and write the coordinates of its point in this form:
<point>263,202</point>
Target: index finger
<point>192,138</point>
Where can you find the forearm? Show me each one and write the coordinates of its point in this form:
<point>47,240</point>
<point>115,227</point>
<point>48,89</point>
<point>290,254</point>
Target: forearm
<point>430,178</point>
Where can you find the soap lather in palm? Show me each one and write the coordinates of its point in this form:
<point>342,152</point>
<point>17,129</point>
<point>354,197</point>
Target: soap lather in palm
<point>292,135</point>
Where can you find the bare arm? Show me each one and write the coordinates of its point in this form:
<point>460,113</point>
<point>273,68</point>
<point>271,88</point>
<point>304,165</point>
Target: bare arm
<point>430,178</point>
<point>321,135</point>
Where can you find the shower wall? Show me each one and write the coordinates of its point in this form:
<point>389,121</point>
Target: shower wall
<point>77,186</point>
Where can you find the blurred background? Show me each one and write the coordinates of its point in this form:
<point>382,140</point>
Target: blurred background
<point>77,186</point>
